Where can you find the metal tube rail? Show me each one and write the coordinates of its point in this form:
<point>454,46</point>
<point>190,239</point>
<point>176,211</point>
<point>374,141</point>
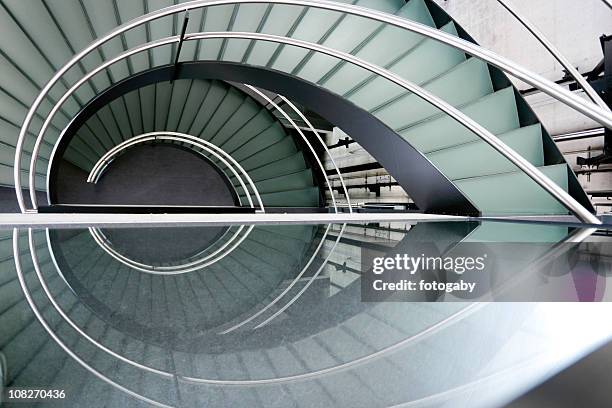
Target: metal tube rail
<point>439,325</point>
<point>296,127</point>
<point>554,51</point>
<point>194,266</point>
<point>185,138</point>
<point>324,145</point>
<point>306,286</point>
<point>533,172</point>
<point>67,319</point>
<point>290,286</point>
<point>104,166</point>
<point>101,165</point>
<point>589,109</point>
<point>55,337</point>
<point>69,92</point>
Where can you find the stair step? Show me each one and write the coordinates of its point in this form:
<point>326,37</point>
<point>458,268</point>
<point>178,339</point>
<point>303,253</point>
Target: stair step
<point>75,27</point>
<point>426,61</point>
<point>195,98</point>
<point>515,193</point>
<point>301,232</point>
<point>231,102</point>
<point>287,165</point>
<point>361,29</point>
<point>496,112</point>
<point>181,90</point>
<point>308,197</point>
<point>381,49</point>
<point>464,83</point>
<point>512,232</point>
<point>240,118</point>
<point>217,19</point>
<point>293,181</point>
<point>265,153</point>
<point>477,158</point>
<point>290,246</point>
<point>253,128</point>
<point>214,97</point>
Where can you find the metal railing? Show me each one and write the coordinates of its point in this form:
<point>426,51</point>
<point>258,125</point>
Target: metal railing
<point>492,140</point>
<point>550,47</point>
<point>202,144</point>
<point>595,112</point>
<point>368,357</point>
<point>529,169</point>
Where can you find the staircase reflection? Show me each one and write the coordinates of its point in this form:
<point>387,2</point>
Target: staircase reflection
<point>277,321</point>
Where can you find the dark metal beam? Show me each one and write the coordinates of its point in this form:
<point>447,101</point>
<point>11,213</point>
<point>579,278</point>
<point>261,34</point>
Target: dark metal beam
<point>344,142</point>
<point>356,168</point>
<point>373,187</point>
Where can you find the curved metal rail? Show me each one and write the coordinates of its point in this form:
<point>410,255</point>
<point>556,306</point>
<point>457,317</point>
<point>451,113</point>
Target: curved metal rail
<point>304,138</point>
<point>100,167</point>
<point>292,284</point>
<point>173,270</point>
<point>430,330</point>
<point>307,285</point>
<point>202,144</point>
<point>55,337</point>
<point>223,173</point>
<point>324,145</point>
<point>587,108</point>
<point>525,166</point>
<point>554,51</point>
<point>562,196</point>
<point>97,171</point>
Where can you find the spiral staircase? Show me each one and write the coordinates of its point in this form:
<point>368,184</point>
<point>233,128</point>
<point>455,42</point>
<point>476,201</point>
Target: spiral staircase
<point>246,316</point>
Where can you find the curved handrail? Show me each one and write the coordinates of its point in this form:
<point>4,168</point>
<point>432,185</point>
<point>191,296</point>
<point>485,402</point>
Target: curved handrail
<point>179,270</point>
<point>197,257</point>
<point>286,290</point>
<point>57,106</point>
<point>587,108</point>
<point>64,315</point>
<point>430,330</point>
<point>307,285</point>
<point>529,169</point>
<point>554,51</point>
<point>94,178</point>
<point>55,337</point>
<point>221,154</point>
<point>217,152</point>
<point>324,145</point>
<point>302,135</point>
<point>524,165</point>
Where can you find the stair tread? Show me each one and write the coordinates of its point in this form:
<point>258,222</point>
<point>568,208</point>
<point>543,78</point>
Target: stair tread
<point>515,193</point>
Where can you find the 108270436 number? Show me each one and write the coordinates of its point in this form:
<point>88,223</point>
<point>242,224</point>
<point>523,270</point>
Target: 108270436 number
<point>33,394</point>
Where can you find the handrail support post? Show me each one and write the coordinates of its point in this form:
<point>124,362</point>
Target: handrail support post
<point>180,44</point>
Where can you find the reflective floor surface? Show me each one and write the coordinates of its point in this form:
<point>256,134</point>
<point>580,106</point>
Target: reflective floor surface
<point>273,316</point>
